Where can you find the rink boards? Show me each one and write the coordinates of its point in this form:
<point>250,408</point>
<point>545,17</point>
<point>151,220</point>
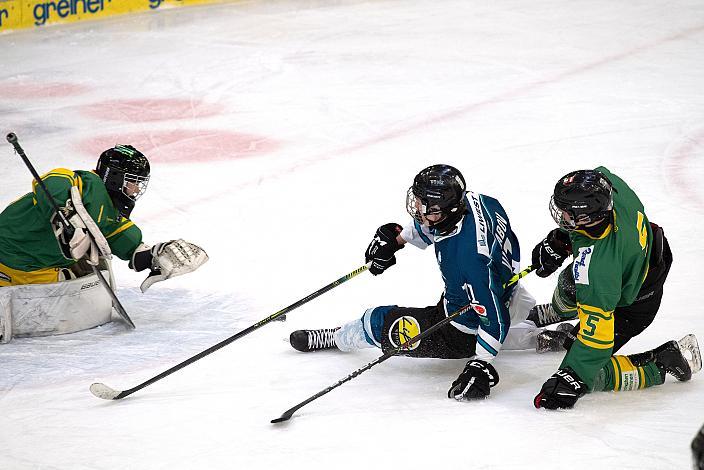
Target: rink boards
<point>22,14</point>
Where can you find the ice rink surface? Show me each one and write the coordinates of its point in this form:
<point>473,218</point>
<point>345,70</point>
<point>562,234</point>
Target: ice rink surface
<point>281,134</point>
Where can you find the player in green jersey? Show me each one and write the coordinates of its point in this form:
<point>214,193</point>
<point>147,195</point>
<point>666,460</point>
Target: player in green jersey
<point>36,250</point>
<point>614,287</point>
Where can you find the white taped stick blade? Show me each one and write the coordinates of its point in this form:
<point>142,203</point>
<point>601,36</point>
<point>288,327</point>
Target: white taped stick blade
<point>690,347</point>
<point>101,390</point>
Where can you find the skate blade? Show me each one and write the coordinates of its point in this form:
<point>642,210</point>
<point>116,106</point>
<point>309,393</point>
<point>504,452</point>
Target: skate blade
<point>689,343</point>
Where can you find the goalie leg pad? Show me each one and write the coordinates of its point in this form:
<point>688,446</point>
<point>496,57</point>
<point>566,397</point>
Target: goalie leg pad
<point>52,309</point>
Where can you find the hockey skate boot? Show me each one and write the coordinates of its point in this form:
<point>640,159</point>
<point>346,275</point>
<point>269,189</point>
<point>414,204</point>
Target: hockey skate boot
<point>553,340</point>
<point>680,358</point>
<point>672,358</point>
<point>313,340</point>
<point>543,315</point>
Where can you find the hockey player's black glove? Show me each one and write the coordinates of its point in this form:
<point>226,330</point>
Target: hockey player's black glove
<point>549,254</point>
<point>382,248</point>
<point>698,450</point>
<point>562,390</point>
<point>474,382</point>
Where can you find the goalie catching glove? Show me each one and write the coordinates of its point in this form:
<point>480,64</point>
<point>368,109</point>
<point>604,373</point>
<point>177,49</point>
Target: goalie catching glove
<point>167,260</point>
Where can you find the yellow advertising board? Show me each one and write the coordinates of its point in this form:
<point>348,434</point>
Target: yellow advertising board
<point>19,14</point>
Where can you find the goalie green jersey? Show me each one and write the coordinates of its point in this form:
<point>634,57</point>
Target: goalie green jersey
<point>608,273</point>
<point>27,242</point>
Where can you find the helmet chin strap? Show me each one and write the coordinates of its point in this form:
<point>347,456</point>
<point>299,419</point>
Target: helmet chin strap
<point>448,223</point>
<point>122,203</point>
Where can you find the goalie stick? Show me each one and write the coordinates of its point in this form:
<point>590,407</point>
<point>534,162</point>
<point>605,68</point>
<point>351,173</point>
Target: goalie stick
<point>289,413</point>
<point>101,390</point>
<point>12,139</point>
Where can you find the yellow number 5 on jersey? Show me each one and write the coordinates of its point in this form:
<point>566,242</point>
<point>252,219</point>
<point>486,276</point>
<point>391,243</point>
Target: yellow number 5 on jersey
<point>642,230</point>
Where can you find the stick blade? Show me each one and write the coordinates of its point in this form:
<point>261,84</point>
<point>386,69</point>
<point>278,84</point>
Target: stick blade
<point>101,390</point>
<point>283,418</point>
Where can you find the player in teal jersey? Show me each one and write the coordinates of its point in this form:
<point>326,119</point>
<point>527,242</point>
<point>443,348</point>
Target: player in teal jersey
<point>614,287</point>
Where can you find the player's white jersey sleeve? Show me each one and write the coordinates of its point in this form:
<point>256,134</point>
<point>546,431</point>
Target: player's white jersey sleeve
<point>417,235</point>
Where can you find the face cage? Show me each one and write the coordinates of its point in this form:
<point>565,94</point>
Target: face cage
<point>569,225</point>
<point>134,186</point>
<point>420,214</point>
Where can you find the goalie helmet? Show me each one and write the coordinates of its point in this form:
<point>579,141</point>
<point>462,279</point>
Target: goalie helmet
<point>125,172</point>
<point>584,195</point>
<point>438,190</point>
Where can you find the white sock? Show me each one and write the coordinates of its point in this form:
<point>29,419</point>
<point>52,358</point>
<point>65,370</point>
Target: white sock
<point>351,336</point>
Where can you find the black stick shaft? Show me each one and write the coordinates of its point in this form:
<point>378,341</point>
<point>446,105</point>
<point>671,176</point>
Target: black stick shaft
<point>68,228</point>
<point>242,333</point>
<point>12,139</point>
<point>289,413</point>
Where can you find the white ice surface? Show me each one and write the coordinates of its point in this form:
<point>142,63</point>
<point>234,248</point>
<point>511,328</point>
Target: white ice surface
<point>358,96</point>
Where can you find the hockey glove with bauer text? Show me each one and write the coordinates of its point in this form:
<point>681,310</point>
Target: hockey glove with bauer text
<point>549,254</point>
<point>381,251</point>
<point>561,390</point>
<point>474,382</point>
<point>167,260</point>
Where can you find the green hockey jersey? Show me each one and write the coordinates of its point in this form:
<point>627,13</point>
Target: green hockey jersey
<point>27,242</point>
<point>608,273</point>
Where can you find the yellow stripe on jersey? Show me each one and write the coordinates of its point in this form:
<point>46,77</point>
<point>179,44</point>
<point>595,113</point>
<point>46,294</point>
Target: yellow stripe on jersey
<point>62,173</point>
<point>603,235</point>
<point>100,214</point>
<point>122,228</point>
<point>596,327</point>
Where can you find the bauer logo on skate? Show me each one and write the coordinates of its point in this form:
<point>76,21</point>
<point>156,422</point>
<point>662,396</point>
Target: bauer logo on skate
<point>581,265</point>
<point>403,329</point>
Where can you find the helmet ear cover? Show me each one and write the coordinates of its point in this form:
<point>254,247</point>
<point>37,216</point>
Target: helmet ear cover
<point>113,179</point>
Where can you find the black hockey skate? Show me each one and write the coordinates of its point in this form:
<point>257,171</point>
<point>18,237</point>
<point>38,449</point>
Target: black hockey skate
<point>543,315</point>
<point>313,340</point>
<point>680,358</point>
<point>672,358</point>
<point>553,340</point>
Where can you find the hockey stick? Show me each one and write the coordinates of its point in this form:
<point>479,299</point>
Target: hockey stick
<point>289,413</point>
<point>68,228</point>
<point>101,390</point>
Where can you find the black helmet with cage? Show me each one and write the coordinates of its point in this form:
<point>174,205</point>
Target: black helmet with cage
<point>438,190</point>
<point>585,196</point>
<point>125,172</point>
